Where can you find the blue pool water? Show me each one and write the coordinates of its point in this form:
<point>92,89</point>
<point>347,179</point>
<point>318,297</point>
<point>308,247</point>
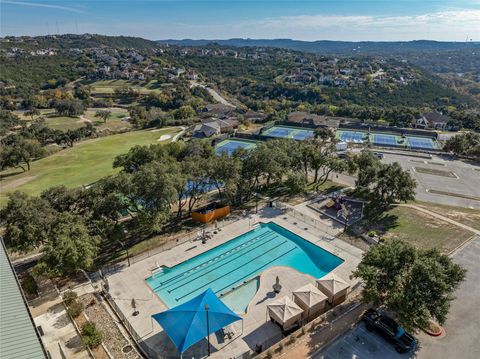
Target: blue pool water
<point>228,265</point>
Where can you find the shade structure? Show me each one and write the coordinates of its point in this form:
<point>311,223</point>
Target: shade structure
<point>285,312</point>
<point>334,287</point>
<point>310,299</point>
<point>186,324</point>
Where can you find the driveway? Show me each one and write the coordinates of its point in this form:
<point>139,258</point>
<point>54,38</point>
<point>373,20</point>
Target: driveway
<point>462,327</point>
<point>462,339</point>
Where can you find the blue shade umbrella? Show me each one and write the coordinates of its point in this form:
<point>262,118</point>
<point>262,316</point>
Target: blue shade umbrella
<point>192,321</point>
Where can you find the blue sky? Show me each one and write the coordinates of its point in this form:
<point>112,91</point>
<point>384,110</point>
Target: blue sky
<point>354,20</point>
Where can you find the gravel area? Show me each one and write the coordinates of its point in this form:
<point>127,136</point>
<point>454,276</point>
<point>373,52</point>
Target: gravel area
<point>112,337</point>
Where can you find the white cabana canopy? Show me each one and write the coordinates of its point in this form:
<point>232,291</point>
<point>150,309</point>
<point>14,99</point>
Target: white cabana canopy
<point>333,286</point>
<point>310,299</point>
<point>284,311</point>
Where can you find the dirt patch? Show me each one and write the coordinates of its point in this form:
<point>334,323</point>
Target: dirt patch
<point>435,172</point>
<point>469,217</point>
<point>17,183</point>
<point>420,229</point>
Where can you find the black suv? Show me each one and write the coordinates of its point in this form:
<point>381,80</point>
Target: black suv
<point>390,330</point>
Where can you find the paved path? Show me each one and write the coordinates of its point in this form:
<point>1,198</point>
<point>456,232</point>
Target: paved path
<point>443,218</point>
<point>175,138</point>
<point>214,94</point>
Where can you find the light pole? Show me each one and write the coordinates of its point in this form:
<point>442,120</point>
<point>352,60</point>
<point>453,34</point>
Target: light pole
<point>208,329</point>
<point>125,232</point>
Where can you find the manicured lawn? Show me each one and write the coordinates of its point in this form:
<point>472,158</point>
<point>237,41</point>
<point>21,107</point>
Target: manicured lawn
<point>420,229</point>
<point>114,122</point>
<point>82,164</point>
<point>109,86</point>
<point>64,123</point>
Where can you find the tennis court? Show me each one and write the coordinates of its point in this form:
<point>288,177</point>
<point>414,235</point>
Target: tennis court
<point>229,146</point>
<point>288,132</point>
<point>424,143</point>
<point>381,139</point>
<point>351,136</point>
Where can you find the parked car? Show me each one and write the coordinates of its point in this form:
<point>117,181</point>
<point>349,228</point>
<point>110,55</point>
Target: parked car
<point>378,154</point>
<point>390,330</point>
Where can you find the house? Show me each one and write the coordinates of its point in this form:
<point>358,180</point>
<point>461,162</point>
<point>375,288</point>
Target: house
<point>432,120</point>
<point>254,116</point>
<point>301,117</point>
<point>214,126</point>
<point>218,110</point>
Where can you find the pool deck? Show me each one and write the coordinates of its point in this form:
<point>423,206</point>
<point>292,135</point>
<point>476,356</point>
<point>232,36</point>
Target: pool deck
<point>129,282</point>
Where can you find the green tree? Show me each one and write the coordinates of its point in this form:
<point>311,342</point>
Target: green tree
<point>70,247</point>
<point>27,222</point>
<point>103,114</point>
<point>417,285</point>
<point>92,337</point>
<point>8,120</point>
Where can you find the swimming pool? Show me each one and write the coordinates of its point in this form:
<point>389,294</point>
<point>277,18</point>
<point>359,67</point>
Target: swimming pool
<point>242,258</point>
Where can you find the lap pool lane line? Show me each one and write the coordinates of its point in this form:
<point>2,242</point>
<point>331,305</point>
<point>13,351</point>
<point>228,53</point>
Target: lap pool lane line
<point>248,274</point>
<point>211,260</point>
<point>213,269</point>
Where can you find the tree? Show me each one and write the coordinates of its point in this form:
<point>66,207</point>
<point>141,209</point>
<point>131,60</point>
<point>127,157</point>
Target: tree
<point>69,107</point>
<point>103,114</point>
<point>393,184</point>
<point>28,150</point>
<point>8,120</point>
<point>92,337</point>
<point>417,285</point>
<point>467,144</point>
<point>70,247</point>
<point>27,221</point>
<point>32,113</point>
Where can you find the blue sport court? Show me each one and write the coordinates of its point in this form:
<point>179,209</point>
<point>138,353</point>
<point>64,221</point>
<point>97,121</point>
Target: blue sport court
<point>381,139</point>
<point>228,265</point>
<point>351,136</point>
<point>298,134</point>
<point>424,143</point>
<point>229,146</point>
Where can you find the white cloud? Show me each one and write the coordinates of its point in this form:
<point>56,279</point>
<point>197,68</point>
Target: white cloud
<point>48,6</point>
<point>448,25</point>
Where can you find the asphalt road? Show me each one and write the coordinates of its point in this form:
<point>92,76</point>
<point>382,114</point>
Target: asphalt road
<point>462,339</point>
<point>466,180</point>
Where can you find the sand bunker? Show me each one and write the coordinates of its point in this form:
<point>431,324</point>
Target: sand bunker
<point>164,137</point>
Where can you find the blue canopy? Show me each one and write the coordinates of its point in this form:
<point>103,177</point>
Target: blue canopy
<point>186,324</point>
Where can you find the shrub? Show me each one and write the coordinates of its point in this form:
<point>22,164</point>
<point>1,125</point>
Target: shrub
<point>29,285</point>
<point>69,297</point>
<point>75,309</point>
<point>268,354</point>
<point>372,233</point>
<point>92,337</point>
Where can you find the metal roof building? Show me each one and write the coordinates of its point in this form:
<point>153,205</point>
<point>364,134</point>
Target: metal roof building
<point>18,336</point>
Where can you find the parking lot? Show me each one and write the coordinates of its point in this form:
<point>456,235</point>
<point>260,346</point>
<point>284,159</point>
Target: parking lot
<point>462,326</point>
<point>360,344</point>
<point>459,178</point>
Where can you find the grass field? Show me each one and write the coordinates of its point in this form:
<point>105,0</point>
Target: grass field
<point>109,86</point>
<point>420,229</point>
<point>82,164</point>
<point>114,122</point>
<point>64,123</point>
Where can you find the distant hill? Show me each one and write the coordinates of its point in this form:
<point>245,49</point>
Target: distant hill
<point>346,48</point>
<point>71,41</point>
